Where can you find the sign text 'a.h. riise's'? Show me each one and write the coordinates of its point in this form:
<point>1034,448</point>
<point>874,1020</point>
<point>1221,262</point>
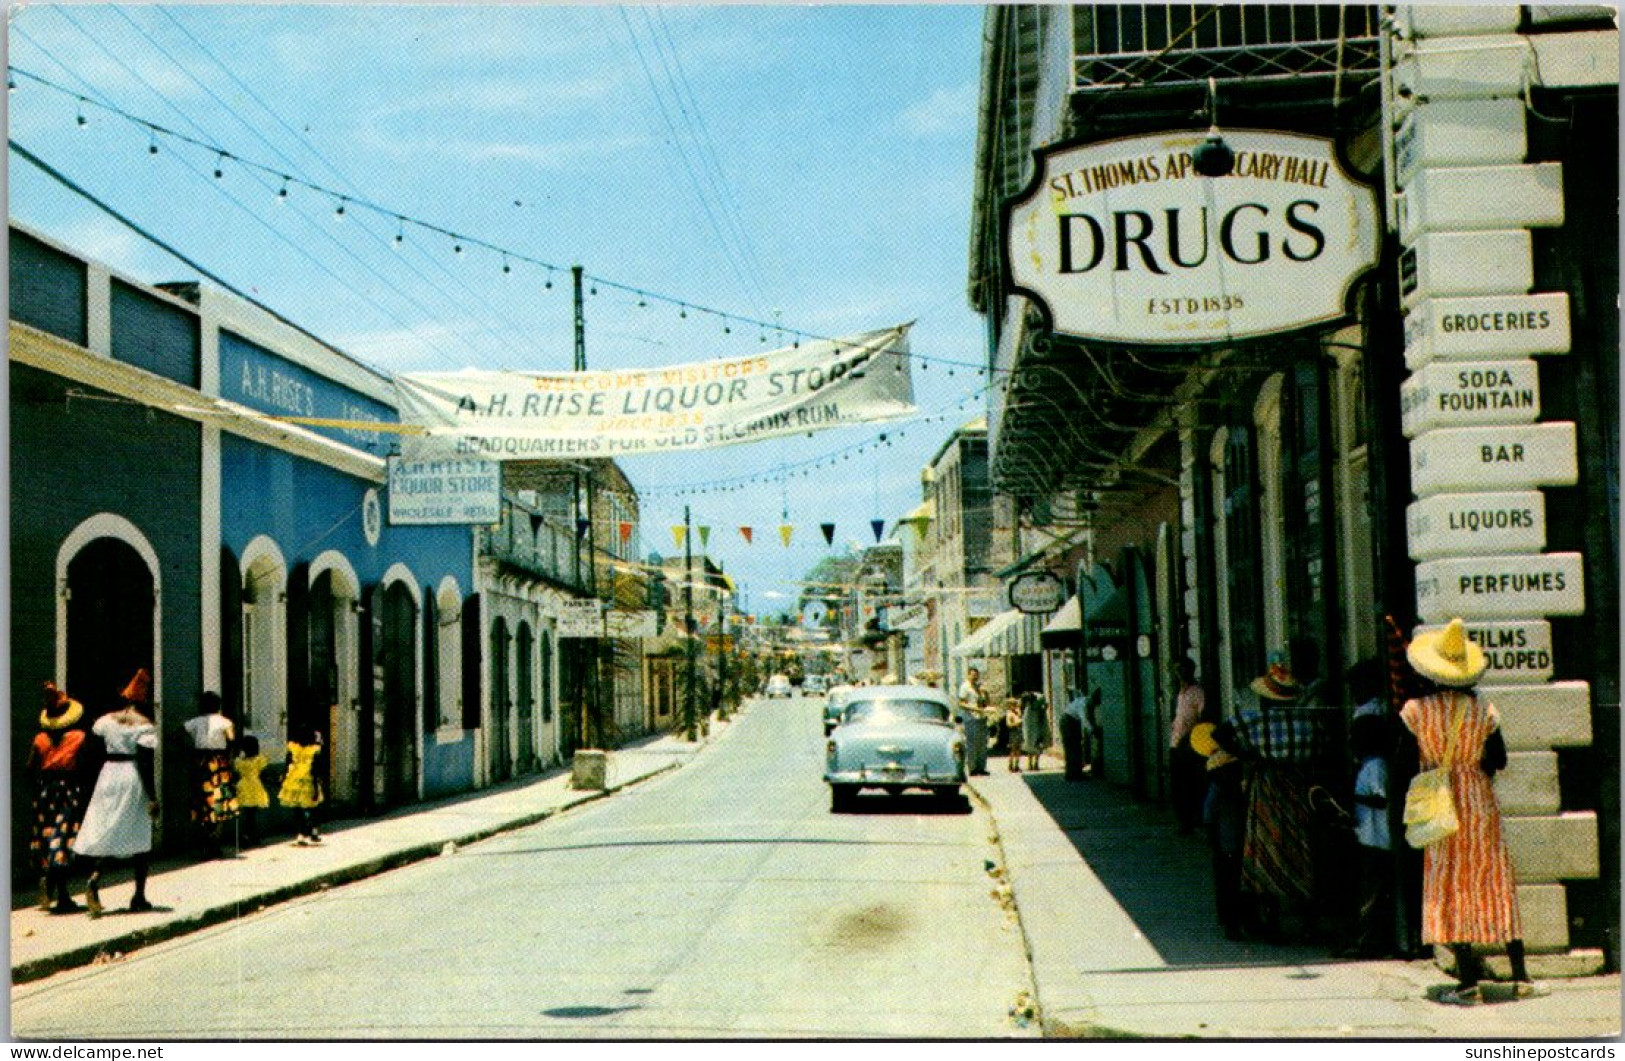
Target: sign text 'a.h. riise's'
<point>1124,240</point>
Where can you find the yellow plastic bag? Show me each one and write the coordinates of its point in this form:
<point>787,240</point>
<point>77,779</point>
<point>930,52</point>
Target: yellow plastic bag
<point>1430,805</point>
<point>1430,808</point>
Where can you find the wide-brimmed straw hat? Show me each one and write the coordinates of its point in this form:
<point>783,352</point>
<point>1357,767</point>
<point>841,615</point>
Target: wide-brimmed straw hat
<point>1202,740</point>
<point>1277,682</point>
<point>1447,656</point>
<point>60,711</point>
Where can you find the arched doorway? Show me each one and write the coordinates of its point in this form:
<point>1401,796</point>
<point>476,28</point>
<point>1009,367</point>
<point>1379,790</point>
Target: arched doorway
<point>391,738</point>
<point>525,675</point>
<point>335,706</point>
<point>546,681</point>
<point>264,633</point>
<point>501,751</point>
<point>111,619</point>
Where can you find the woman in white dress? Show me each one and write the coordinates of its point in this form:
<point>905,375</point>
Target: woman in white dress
<point>118,821</point>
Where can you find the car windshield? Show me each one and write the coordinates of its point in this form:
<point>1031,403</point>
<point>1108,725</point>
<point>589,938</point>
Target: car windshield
<point>897,711</point>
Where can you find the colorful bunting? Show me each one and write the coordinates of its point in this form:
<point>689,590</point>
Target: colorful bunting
<point>705,536</point>
<point>626,532</point>
<point>879,526</point>
<point>829,532</point>
<point>535,523</point>
<point>678,532</point>
<point>581,527</point>
<point>785,530</point>
<point>746,532</point>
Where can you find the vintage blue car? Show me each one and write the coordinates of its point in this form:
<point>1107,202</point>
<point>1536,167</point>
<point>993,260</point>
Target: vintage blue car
<point>835,705</point>
<point>894,737</point>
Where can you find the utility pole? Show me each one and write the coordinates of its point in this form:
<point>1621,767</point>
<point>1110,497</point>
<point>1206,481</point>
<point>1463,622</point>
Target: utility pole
<point>592,703</point>
<point>722,647</point>
<point>581,321</point>
<point>689,719</point>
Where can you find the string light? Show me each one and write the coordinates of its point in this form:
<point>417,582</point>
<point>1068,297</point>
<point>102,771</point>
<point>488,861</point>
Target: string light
<point>644,297</point>
<point>400,232</point>
<point>220,166</point>
<point>339,213</point>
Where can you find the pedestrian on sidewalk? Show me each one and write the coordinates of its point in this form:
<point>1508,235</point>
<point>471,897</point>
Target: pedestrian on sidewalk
<point>1370,738</point>
<point>1035,736</point>
<point>301,787</point>
<point>214,783</point>
<point>118,820</point>
<point>1224,811</point>
<point>1012,726</point>
<point>973,718</point>
<point>1188,769</point>
<point>1072,736</point>
<point>1468,893</point>
<point>1277,743</point>
<point>251,795</point>
<point>56,759</point>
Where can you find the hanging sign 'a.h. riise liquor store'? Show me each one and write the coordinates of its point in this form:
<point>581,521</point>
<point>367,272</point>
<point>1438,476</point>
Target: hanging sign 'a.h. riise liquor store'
<point>1123,240</point>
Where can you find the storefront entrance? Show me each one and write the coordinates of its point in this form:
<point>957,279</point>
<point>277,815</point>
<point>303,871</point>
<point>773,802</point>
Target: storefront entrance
<point>110,622</point>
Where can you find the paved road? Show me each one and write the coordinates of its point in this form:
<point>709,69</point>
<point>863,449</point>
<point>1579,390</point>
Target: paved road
<point>720,900</point>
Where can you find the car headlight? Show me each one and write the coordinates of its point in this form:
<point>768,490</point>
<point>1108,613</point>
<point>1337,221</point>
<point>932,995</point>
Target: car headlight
<point>959,753</point>
<point>829,754</point>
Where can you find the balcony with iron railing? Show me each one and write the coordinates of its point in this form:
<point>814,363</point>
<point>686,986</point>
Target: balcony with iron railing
<point>1121,46</point>
<point>538,544</point>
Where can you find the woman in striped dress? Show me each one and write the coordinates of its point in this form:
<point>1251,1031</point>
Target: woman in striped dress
<point>1468,895</point>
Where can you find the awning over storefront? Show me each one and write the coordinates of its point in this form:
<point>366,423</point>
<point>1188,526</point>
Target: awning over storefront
<point>980,643</point>
<point>1020,637</point>
<point>1010,633</point>
<point>1061,630</point>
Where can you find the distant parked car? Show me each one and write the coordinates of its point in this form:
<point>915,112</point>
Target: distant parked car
<point>777,686</point>
<point>895,737</point>
<point>835,704</point>
<point>813,685</point>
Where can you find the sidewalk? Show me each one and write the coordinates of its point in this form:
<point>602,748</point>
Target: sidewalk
<point>194,895</point>
<point>1117,910</point>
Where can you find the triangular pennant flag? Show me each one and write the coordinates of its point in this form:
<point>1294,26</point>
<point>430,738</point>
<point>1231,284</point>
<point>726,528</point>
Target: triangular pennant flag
<point>678,533</point>
<point>535,523</point>
<point>746,532</point>
<point>705,536</point>
<point>785,530</point>
<point>920,526</point>
<point>626,532</point>
<point>879,526</point>
<point>581,526</point>
<point>829,532</point>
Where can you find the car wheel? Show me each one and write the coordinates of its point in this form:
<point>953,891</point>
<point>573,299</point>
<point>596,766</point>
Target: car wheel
<point>841,797</point>
<point>947,795</point>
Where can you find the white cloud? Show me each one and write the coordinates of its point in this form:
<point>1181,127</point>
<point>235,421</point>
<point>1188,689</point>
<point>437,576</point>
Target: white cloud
<point>947,110</point>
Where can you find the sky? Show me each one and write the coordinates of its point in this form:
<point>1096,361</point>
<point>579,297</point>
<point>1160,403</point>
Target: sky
<point>810,166</point>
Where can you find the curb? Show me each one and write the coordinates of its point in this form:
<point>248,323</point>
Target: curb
<point>1045,1029</point>
<point>39,968</point>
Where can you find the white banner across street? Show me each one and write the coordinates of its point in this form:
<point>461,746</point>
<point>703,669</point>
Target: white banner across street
<point>475,414</point>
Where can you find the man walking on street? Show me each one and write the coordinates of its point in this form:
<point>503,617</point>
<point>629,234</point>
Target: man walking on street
<point>973,708</point>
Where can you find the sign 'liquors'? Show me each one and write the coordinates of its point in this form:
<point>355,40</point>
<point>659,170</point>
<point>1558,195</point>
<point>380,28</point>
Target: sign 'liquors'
<point>1124,240</point>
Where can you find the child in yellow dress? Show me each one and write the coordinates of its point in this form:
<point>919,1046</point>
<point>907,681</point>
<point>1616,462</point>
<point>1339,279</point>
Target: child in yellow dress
<point>251,795</point>
<point>302,788</point>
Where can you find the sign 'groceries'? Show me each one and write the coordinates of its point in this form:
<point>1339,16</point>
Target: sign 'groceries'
<point>533,415</point>
<point>1124,240</point>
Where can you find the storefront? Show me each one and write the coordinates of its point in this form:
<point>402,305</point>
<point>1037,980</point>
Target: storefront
<point>1342,347</point>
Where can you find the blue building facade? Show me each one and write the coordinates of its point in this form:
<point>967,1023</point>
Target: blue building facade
<point>168,514</point>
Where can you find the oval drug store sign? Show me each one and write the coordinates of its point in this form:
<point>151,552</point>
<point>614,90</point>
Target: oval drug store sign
<point>1124,240</point>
